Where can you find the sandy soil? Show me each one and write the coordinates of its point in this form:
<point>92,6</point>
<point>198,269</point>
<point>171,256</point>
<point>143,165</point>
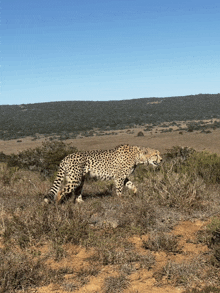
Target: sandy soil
<point>142,281</point>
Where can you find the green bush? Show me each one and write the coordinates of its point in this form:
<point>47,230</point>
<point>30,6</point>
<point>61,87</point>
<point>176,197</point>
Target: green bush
<point>182,153</point>
<point>176,183</point>
<point>3,157</point>
<point>214,226</point>
<point>186,160</point>
<point>205,165</point>
<point>212,239</point>
<point>44,159</point>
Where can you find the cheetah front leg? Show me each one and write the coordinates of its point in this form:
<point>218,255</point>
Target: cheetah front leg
<point>119,184</point>
<point>124,182</point>
<point>131,186</point>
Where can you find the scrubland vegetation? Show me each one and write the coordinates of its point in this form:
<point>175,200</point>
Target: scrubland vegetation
<point>65,120</point>
<point>34,236</point>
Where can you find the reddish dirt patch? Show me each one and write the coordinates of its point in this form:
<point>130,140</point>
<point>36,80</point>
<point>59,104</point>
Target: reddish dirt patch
<point>140,281</point>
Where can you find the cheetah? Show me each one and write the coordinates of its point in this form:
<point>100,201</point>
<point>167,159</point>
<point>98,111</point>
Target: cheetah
<point>117,164</point>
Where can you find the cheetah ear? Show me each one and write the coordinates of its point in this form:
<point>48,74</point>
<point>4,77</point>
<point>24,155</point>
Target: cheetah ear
<point>146,150</point>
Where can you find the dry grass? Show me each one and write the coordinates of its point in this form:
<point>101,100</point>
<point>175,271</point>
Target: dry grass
<point>185,273</point>
<point>105,224</point>
<point>162,241</point>
<point>20,271</point>
<point>206,289</point>
<point>115,284</point>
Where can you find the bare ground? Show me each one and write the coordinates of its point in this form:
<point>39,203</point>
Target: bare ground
<point>140,281</point>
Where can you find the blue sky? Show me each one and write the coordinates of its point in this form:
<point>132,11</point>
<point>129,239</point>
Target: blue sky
<point>59,50</point>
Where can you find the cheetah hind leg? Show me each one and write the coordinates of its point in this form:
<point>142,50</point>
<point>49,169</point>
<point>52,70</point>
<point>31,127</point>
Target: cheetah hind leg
<point>78,192</point>
<point>72,187</point>
<point>119,183</point>
<point>66,192</point>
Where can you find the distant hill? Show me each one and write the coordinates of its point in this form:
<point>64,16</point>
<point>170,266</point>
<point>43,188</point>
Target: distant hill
<point>67,119</point>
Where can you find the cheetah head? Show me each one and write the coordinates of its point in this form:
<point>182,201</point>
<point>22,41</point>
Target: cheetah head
<point>150,156</point>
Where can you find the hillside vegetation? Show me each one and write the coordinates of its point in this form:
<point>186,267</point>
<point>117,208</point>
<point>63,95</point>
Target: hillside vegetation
<point>68,119</point>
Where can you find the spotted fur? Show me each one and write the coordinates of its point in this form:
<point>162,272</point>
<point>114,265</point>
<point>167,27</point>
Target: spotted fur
<point>116,164</point>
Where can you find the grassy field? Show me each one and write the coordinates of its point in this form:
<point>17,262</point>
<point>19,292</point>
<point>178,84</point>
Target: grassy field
<point>166,238</point>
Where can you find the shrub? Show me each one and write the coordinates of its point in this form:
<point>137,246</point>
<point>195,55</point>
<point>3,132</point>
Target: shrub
<point>19,272</point>
<point>180,181</point>
<point>47,223</point>
<point>176,190</point>
<point>182,153</point>
<point>115,284</point>
<point>110,253</point>
<point>186,160</point>
<point>184,273</point>
<point>212,239</point>
<point>3,157</point>
<point>206,165</point>
<point>162,241</point>
<point>140,133</point>
<point>44,159</point>
<point>190,128</point>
